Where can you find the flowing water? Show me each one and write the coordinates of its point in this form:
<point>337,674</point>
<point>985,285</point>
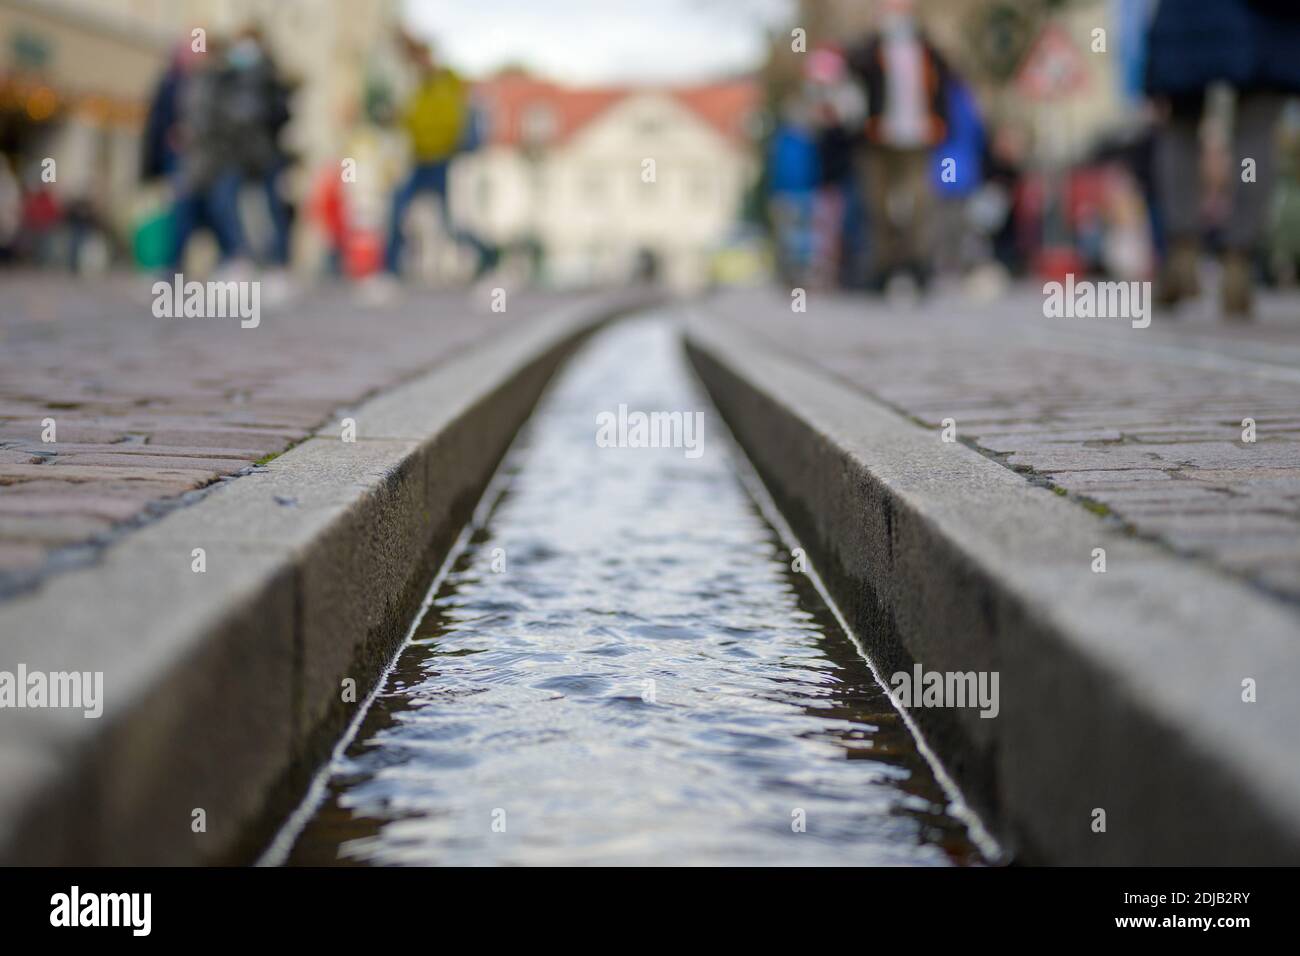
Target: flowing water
<point>620,667</point>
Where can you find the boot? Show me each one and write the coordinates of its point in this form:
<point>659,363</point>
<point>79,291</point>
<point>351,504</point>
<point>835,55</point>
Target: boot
<point>1238,287</point>
<point>1177,280</point>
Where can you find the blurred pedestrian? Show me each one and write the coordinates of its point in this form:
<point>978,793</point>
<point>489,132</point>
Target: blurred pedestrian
<point>161,138</point>
<point>41,215</point>
<point>956,174</point>
<point>328,209</point>
<point>838,109</point>
<point>161,141</point>
<point>254,107</point>
<point>995,207</point>
<point>191,144</point>
<point>1253,46</point>
<point>437,118</point>
<point>906,85</point>
<point>793,177</point>
<point>11,211</point>
<point>1286,234</point>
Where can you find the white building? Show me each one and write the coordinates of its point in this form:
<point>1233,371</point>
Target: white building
<point>601,178</point>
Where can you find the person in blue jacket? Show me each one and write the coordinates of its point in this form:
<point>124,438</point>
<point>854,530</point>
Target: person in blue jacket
<point>956,173</point>
<point>793,175</point>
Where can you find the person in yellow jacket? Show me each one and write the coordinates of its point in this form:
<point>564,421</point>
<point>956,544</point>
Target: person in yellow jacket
<point>435,118</point>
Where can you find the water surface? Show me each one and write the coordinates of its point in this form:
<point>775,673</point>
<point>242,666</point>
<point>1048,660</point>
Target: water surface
<point>622,668</point>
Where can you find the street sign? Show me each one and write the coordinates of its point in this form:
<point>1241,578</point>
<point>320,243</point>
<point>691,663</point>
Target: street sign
<point>1053,67</point>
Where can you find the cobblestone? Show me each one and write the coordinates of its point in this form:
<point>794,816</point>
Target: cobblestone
<point>147,409</point>
<point>1147,422</point>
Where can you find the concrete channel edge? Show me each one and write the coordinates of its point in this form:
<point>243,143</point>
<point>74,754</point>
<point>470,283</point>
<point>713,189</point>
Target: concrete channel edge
<point>223,690</point>
<point>1119,691</point>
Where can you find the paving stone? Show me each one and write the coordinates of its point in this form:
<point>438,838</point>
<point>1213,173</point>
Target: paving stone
<point>51,529</point>
<point>222,466</point>
<point>1147,422</point>
<point>17,556</point>
<point>147,409</point>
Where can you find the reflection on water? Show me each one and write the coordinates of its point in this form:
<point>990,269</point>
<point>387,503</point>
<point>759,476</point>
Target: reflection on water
<point>622,668</point>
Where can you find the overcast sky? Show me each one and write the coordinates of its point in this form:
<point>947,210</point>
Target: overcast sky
<point>601,41</point>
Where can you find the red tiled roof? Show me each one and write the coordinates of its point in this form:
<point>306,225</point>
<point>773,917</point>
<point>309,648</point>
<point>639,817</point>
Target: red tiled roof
<point>727,106</point>
<point>509,98</point>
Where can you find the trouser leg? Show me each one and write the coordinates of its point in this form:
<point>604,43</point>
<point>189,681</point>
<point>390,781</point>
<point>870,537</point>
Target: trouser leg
<point>1177,168</point>
<point>1257,117</point>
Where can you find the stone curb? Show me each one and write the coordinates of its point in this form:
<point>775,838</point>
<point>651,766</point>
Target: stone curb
<point>223,689</point>
<point>1119,690</point>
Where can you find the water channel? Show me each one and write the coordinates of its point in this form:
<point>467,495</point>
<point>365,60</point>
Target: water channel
<point>620,666</point>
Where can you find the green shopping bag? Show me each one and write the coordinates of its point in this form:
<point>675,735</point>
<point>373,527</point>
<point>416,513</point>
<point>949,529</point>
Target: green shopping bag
<point>151,239</point>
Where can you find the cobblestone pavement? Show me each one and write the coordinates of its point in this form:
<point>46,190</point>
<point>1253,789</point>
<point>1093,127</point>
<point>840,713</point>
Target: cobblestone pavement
<point>149,409</point>
<point>1143,425</point>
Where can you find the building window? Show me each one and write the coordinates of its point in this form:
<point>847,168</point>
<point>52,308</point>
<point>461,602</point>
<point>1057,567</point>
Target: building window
<point>538,125</point>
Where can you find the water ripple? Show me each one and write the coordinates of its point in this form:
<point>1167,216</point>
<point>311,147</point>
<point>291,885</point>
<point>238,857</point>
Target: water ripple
<point>645,681</point>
